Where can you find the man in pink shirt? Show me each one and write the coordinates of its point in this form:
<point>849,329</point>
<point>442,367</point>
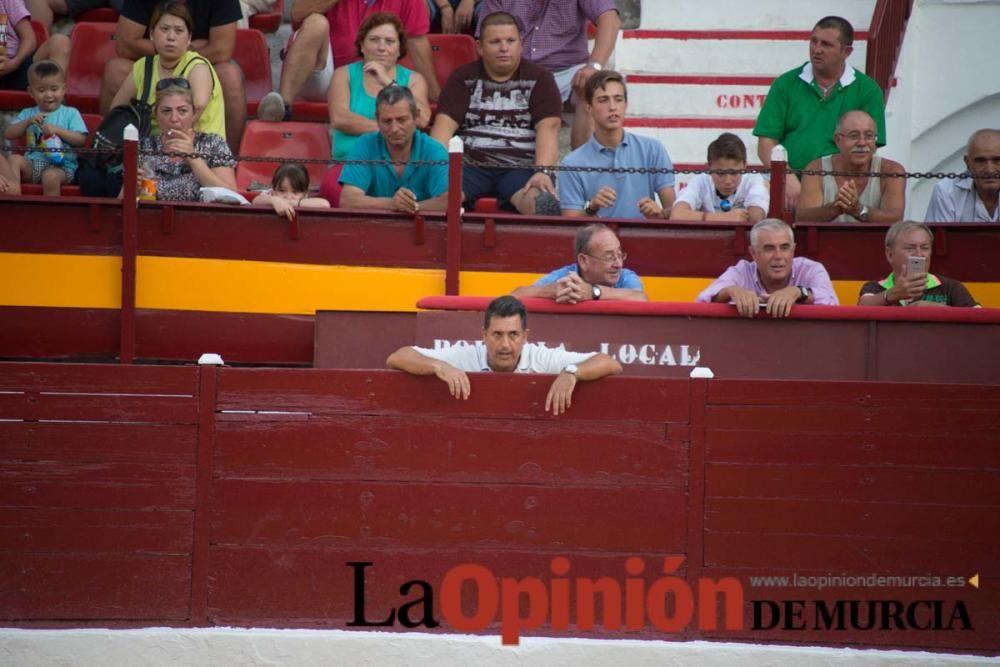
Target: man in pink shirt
<point>554,33</point>
<point>308,52</point>
<point>775,280</point>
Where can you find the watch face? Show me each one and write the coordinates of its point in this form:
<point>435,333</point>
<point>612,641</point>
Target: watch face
<point>597,292</point>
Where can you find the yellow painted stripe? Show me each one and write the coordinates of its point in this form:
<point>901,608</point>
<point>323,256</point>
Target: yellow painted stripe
<point>60,281</point>
<point>177,283</point>
<point>274,287</point>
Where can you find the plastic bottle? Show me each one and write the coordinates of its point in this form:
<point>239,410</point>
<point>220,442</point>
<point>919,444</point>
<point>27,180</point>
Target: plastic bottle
<point>55,146</point>
<point>147,190</point>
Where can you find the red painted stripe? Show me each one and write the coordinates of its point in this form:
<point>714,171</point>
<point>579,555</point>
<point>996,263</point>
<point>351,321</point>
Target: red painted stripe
<point>698,80</point>
<point>770,35</point>
<point>726,123</point>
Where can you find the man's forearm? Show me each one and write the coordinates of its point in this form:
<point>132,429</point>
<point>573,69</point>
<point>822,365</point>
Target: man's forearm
<point>598,366</point>
<point>535,291</point>
<point>423,62</point>
<point>608,25</point>
<point>764,147</point>
<point>410,361</point>
<point>547,141</point>
<point>622,294</point>
<point>823,213</point>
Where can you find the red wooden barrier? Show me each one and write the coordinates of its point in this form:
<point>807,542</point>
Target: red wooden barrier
<point>138,495</point>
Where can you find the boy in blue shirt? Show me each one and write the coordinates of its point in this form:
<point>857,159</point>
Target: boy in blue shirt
<point>48,124</point>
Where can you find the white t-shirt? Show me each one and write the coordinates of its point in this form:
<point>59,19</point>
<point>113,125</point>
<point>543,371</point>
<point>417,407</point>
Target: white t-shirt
<point>534,358</point>
<point>700,194</point>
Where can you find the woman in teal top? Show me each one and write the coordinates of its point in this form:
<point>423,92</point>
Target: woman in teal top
<point>381,42</point>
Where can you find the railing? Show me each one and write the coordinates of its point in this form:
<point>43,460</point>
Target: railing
<point>885,36</point>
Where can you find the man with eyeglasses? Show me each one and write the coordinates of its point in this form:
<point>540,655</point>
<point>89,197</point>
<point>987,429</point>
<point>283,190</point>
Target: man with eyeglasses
<point>973,198</point>
<point>598,273</point>
<point>857,198</point>
<point>775,280</point>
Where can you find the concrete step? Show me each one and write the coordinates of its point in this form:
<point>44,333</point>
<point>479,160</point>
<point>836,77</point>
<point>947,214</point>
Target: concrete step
<point>655,95</point>
<point>774,14</point>
<point>748,53</point>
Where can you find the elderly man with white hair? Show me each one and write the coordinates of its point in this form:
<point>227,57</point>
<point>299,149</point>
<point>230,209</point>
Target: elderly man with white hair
<point>775,280</point>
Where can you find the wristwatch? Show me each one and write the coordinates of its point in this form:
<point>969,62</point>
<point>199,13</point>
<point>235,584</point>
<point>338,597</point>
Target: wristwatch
<point>588,209</point>
<point>804,294</point>
<point>595,66</point>
<point>595,290</point>
<point>572,369</point>
<point>863,214</point>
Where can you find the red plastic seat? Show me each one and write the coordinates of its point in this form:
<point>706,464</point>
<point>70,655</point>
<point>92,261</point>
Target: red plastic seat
<point>268,21</point>
<point>20,99</point>
<point>486,205</point>
<point>91,47</point>
<point>287,140</point>
<point>99,15</point>
<point>255,60</point>
<point>449,52</point>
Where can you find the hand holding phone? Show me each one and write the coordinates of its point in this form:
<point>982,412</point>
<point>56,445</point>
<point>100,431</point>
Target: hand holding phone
<point>916,266</point>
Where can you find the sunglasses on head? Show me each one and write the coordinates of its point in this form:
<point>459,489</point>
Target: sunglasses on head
<point>163,84</point>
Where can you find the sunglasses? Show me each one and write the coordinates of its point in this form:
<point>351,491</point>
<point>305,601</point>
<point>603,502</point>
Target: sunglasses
<point>163,84</point>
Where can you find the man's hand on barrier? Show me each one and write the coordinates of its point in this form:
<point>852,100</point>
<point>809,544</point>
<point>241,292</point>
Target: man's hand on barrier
<point>746,301</point>
<point>560,395</point>
<point>455,378</point>
<point>793,188</point>
<point>572,289</point>
<point>605,198</point>
<point>404,201</point>
<point>779,304</point>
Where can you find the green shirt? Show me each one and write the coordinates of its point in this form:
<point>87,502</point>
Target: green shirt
<point>796,115</point>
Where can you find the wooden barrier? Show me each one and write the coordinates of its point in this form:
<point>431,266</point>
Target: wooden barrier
<point>173,495</point>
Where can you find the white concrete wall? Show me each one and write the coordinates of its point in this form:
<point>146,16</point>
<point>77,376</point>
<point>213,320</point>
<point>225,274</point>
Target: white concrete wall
<point>948,87</point>
<point>225,647</point>
<point>752,15</point>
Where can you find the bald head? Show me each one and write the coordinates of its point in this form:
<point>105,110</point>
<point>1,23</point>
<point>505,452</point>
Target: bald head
<point>854,117</point>
<point>982,137</point>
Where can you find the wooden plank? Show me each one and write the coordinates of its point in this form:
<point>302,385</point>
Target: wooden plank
<point>208,378</point>
<point>98,378</point>
<point>298,512</point>
<point>810,417</point>
<point>904,448</point>
<point>838,516</point>
<point>801,393</point>
<point>73,531</point>
<point>97,485</point>
<point>851,553</point>
<point>304,390</point>
<point>38,333</point>
<point>325,598</point>
<point>99,407</point>
<point>861,483</point>
<point>82,442</point>
<point>425,448</point>
<point>62,586</point>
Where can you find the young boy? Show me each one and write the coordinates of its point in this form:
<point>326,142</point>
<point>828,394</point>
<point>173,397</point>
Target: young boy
<point>738,197</point>
<point>49,123</point>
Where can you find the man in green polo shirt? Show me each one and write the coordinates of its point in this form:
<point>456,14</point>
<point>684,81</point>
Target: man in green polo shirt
<point>380,171</point>
<point>804,104</point>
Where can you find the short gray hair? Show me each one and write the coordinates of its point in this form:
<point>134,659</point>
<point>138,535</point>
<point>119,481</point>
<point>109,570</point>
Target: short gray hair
<point>394,93</point>
<point>899,228</point>
<point>584,234</point>
<point>770,223</point>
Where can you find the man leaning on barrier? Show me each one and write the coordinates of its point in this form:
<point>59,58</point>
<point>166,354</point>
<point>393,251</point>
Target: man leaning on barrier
<point>775,280</point>
<point>607,193</point>
<point>597,274</point>
<point>505,349</point>
<point>396,184</point>
<point>912,287</point>
<point>973,198</point>
<point>853,198</point>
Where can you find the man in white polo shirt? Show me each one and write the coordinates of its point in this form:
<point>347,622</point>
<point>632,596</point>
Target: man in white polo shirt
<point>975,197</point>
<point>505,349</point>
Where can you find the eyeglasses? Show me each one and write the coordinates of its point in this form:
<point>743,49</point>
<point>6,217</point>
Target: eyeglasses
<point>163,84</point>
<point>610,257</point>
<point>857,136</point>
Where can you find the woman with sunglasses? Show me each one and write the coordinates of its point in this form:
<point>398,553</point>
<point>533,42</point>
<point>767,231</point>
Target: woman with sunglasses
<point>381,42</point>
<point>182,159</point>
<point>175,64</point>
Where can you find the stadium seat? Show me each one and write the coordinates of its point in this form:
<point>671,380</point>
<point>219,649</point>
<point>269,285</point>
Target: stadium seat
<point>287,140</point>
<point>255,60</point>
<point>486,205</point>
<point>449,52</point>
<point>268,21</point>
<point>20,99</point>
<point>91,46</point>
<point>99,15</point>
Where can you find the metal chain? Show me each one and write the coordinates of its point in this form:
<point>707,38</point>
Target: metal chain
<point>493,165</point>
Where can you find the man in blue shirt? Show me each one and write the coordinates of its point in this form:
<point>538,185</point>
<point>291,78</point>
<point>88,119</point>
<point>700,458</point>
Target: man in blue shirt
<point>597,274</point>
<point>397,185</point>
<point>615,194</point>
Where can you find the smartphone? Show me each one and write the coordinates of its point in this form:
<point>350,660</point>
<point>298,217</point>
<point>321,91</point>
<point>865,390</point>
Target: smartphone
<point>916,265</point>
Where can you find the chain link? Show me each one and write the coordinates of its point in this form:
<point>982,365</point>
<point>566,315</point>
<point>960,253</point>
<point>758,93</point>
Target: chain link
<point>492,165</point>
